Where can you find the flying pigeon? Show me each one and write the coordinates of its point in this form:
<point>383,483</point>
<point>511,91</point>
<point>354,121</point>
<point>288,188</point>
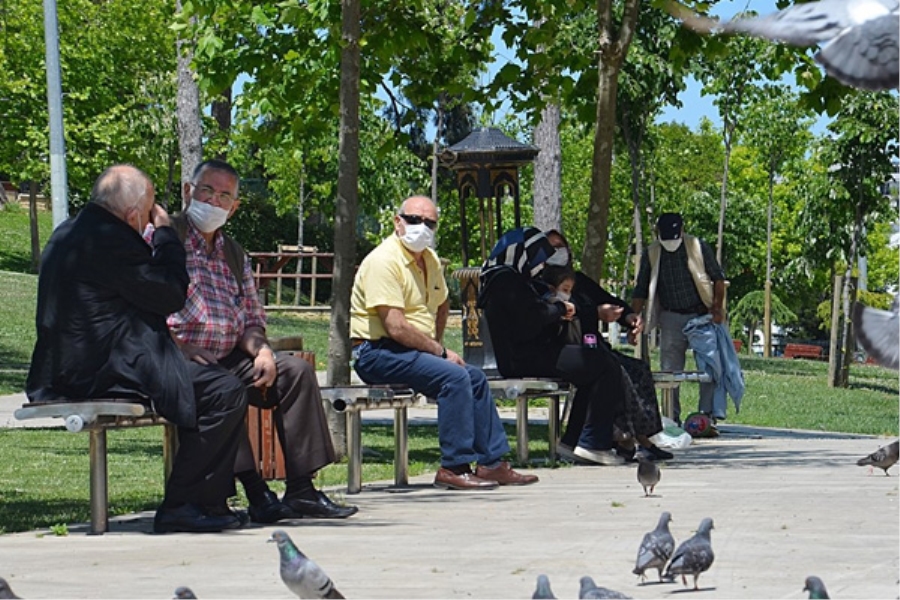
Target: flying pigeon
<point>656,548</point>
<point>883,458</point>
<point>693,556</point>
<point>815,587</point>
<point>543,588</point>
<point>589,589</point>
<point>5,591</point>
<point>647,472</point>
<point>859,37</point>
<point>301,575</point>
<point>877,332</point>
<point>184,593</point>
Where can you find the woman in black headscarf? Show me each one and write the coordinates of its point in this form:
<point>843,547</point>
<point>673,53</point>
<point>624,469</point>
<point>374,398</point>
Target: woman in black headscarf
<point>524,329</point>
<point>594,304</point>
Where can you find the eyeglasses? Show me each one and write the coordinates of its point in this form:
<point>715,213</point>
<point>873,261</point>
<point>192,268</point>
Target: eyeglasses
<point>418,220</point>
<point>206,193</point>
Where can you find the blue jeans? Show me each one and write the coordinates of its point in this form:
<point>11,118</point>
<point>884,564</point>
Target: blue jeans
<point>469,427</point>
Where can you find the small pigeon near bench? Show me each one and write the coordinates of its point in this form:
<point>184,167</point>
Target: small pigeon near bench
<point>883,458</point>
<point>300,574</point>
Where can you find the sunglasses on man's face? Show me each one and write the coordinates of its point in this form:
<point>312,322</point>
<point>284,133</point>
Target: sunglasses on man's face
<point>418,220</point>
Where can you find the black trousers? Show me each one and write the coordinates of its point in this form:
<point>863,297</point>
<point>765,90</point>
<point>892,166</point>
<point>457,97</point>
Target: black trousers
<point>297,410</point>
<point>599,396</point>
<point>202,470</point>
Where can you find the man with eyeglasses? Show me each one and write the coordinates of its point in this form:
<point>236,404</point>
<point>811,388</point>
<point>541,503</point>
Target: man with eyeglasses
<point>223,326</point>
<point>398,312</point>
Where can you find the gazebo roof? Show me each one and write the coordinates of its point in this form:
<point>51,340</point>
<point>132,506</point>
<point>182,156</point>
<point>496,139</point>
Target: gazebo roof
<point>487,145</point>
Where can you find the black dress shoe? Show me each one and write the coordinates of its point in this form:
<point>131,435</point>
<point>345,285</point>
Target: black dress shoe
<point>271,511</point>
<point>223,510</point>
<point>321,508</point>
<point>191,518</point>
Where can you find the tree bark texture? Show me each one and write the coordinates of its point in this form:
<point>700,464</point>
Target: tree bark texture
<point>548,171</point>
<point>347,197</point>
<point>612,48</point>
<point>190,130</point>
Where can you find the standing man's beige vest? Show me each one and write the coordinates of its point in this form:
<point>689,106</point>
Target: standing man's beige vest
<point>695,265</point>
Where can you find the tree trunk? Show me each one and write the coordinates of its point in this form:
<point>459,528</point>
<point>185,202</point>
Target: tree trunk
<point>190,131</point>
<point>723,201</point>
<point>35,231</point>
<point>221,112</point>
<point>346,207</point>
<point>598,212</point>
<point>548,171</point>
<point>612,47</point>
<point>434,152</point>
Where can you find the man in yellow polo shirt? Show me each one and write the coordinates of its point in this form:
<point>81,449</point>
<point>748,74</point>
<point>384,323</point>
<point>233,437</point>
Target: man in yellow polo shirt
<point>398,311</point>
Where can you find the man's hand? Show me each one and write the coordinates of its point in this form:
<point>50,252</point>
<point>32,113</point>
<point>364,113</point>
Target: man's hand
<point>635,323</point>
<point>198,354</point>
<point>264,369</point>
<point>609,312</point>
<point>455,358</point>
<point>159,217</point>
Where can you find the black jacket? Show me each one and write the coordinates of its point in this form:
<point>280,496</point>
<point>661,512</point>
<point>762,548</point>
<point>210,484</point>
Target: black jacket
<point>103,298</point>
<point>524,327</point>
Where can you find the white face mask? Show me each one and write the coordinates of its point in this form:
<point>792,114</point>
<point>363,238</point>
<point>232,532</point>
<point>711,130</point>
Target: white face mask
<point>206,217</point>
<point>671,245</point>
<point>560,258</point>
<point>417,237</point>
<point>563,296</point>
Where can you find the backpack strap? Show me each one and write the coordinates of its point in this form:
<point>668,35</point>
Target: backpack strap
<point>235,257</point>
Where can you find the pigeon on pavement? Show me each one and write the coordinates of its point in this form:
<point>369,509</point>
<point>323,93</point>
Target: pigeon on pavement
<point>589,589</point>
<point>860,37</point>
<point>647,472</point>
<point>656,548</point>
<point>5,591</point>
<point>815,587</point>
<point>693,556</point>
<point>543,590</point>
<point>878,332</point>
<point>184,593</point>
<point>301,575</point>
<point>883,458</point>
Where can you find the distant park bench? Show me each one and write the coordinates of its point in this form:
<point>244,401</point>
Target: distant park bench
<point>803,351</point>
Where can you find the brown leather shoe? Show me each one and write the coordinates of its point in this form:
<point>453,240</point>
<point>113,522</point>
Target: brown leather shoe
<point>448,480</point>
<point>504,475</point>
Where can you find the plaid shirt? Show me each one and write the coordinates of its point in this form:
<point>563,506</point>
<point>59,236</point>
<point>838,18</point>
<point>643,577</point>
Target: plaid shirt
<point>675,287</point>
<point>215,315</point>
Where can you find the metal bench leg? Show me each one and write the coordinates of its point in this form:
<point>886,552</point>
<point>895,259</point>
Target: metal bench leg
<point>99,491</point>
<point>170,449</point>
<point>522,428</point>
<point>553,433</point>
<point>354,452</point>
<point>668,402</point>
<point>401,446</point>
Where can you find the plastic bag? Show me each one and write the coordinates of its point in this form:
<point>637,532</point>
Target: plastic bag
<point>672,437</point>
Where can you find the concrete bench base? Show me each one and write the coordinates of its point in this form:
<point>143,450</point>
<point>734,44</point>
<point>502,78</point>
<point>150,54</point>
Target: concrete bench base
<point>96,417</point>
<point>352,400</point>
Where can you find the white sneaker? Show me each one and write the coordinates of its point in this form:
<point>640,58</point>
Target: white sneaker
<point>564,451</point>
<point>601,457</point>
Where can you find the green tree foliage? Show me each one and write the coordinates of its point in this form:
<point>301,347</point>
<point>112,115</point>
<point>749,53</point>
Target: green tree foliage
<point>117,84</point>
<point>746,315</point>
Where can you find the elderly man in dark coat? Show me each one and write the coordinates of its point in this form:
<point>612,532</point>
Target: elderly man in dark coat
<point>103,297</point>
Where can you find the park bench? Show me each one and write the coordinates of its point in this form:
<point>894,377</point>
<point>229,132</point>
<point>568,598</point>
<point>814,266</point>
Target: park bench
<point>523,390</point>
<point>668,381</point>
<point>352,400</point>
<point>803,351</point>
<point>96,417</point>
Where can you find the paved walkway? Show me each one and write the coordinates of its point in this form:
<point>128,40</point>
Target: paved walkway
<point>786,504</point>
